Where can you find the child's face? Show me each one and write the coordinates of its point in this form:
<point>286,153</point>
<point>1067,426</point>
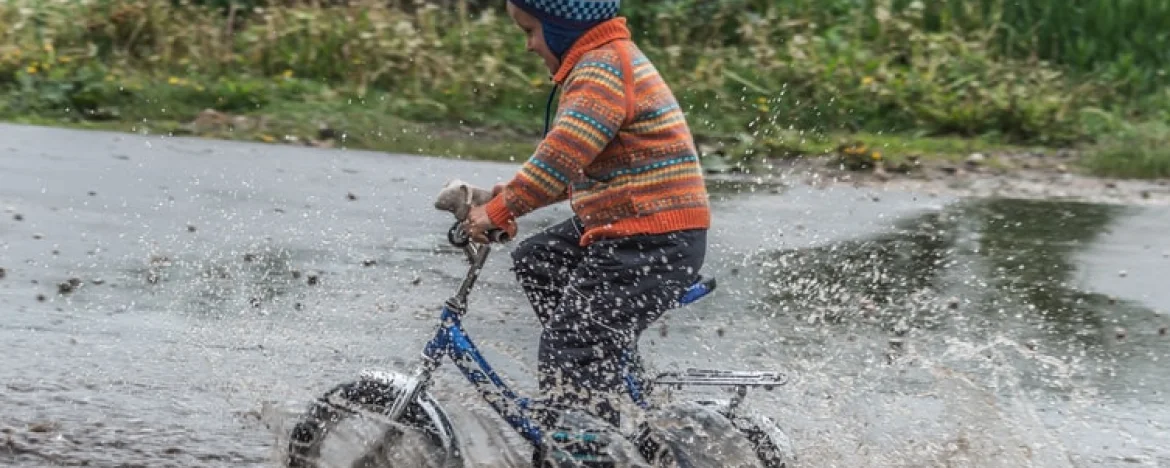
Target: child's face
<point>534,36</point>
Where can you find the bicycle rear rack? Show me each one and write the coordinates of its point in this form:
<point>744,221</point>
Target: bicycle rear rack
<point>719,378</point>
<point>739,380</point>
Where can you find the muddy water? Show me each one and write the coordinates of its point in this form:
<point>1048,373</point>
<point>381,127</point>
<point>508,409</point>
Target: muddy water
<point>214,277</point>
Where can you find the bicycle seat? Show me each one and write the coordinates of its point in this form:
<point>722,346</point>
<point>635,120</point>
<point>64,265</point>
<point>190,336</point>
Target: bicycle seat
<point>702,287</point>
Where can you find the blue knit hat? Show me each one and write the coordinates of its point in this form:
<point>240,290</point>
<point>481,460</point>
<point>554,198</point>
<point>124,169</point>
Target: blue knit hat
<point>564,21</point>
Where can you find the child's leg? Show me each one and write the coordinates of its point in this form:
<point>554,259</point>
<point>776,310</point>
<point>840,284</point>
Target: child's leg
<point>619,288</point>
<point>543,263</point>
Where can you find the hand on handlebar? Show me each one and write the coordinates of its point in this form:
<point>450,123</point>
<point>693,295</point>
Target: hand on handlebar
<point>480,228</point>
<point>498,236</point>
<point>493,235</point>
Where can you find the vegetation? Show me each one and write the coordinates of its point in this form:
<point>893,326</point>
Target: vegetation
<point>1134,151</point>
<point>774,78</point>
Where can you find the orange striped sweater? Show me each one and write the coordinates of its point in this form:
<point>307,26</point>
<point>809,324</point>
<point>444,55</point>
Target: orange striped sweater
<point>619,148</point>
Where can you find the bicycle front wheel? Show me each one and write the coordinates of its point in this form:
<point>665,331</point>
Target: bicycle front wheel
<point>422,438</point>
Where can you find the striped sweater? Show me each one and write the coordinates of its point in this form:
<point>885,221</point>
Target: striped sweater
<point>619,148</point>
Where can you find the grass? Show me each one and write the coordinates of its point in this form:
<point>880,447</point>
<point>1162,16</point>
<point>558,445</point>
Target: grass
<point>370,123</point>
<point>450,77</point>
<point>1121,40</point>
<point>364,125</point>
<point>896,147</point>
<point>1140,151</point>
<point>367,125</point>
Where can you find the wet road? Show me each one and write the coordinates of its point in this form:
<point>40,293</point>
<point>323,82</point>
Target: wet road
<point>213,276</point>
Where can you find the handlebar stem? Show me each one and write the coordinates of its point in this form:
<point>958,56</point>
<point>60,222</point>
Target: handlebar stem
<point>477,255</point>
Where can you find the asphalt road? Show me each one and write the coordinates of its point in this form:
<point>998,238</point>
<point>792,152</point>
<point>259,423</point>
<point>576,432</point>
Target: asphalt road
<point>212,277</point>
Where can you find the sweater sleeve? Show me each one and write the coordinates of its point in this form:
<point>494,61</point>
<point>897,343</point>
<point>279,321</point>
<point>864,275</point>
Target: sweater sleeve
<point>592,110</point>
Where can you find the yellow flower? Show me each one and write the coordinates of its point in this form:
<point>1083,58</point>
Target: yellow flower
<point>267,138</point>
<point>761,100</point>
<point>173,80</point>
<point>32,69</point>
<point>877,155</point>
<point>288,74</point>
<point>48,47</point>
<point>65,59</point>
<point>866,81</point>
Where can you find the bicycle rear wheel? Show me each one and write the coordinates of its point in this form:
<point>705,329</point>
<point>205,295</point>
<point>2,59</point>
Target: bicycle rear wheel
<point>703,434</point>
<point>423,437</point>
<point>771,444</point>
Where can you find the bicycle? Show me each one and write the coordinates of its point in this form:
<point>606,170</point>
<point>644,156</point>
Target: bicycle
<point>405,399</point>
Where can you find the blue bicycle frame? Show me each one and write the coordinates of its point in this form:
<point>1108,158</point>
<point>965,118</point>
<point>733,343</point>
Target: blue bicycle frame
<point>452,341</point>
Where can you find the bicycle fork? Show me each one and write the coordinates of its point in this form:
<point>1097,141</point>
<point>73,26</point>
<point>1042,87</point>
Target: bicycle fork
<point>421,378</point>
<point>415,386</point>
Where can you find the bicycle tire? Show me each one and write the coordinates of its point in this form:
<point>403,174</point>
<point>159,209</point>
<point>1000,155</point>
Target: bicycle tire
<point>772,453</point>
<point>369,395</point>
<point>761,435</point>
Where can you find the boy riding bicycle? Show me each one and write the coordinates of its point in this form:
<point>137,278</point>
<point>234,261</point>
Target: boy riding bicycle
<point>620,151</point>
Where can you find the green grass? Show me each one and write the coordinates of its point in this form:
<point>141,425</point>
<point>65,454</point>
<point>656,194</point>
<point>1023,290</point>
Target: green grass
<point>362,125</point>
<point>1123,41</point>
<point>1138,151</point>
<point>874,73</point>
<point>765,78</point>
<point>370,124</point>
<point>860,150</point>
<point>894,147</point>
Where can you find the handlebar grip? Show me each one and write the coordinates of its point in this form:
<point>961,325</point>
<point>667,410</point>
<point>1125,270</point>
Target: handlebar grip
<point>499,236</point>
<point>458,237</point>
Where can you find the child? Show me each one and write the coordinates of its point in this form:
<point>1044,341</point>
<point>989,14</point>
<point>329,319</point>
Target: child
<point>620,151</point>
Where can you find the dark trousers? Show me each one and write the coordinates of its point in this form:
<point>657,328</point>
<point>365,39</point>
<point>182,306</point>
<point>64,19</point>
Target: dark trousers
<point>594,302</point>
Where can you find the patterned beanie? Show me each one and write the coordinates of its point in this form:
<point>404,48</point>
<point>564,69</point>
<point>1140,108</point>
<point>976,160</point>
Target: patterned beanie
<point>564,21</point>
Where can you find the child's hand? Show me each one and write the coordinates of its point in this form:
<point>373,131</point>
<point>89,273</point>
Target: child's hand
<point>478,223</point>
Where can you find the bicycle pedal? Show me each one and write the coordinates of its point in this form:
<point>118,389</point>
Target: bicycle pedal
<point>722,378</point>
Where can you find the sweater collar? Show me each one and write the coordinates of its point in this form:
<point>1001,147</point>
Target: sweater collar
<point>604,33</point>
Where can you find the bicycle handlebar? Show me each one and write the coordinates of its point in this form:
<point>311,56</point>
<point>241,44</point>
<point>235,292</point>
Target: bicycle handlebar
<point>458,197</point>
<point>458,237</point>
<point>498,236</point>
